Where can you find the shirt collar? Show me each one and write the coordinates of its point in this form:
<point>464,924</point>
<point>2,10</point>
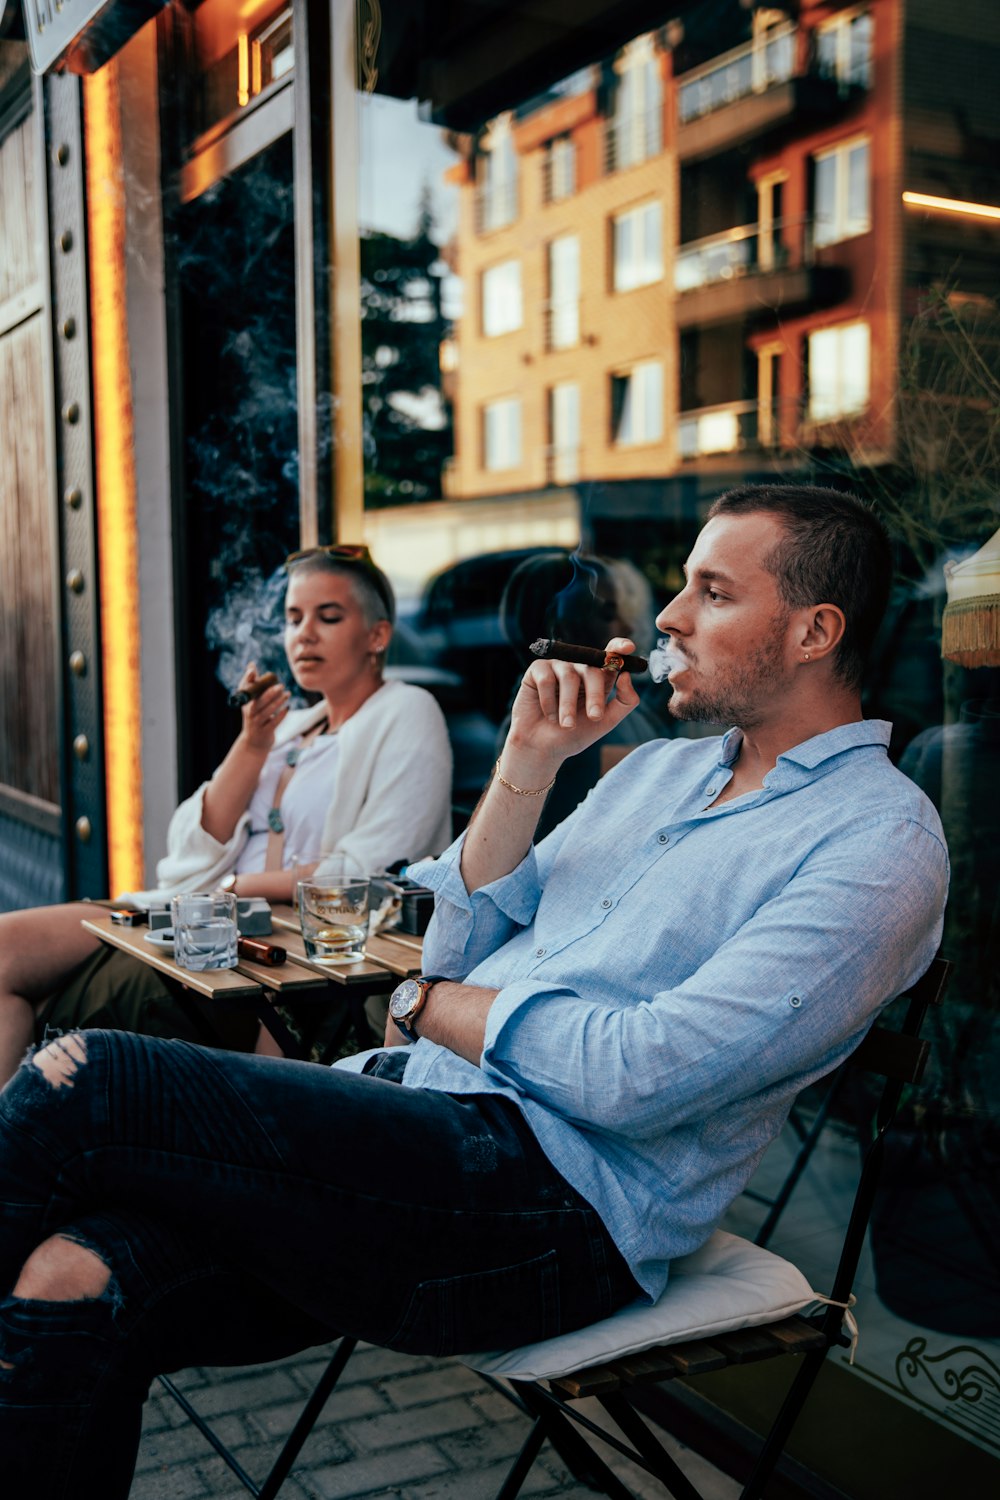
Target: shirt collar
<point>812,752</point>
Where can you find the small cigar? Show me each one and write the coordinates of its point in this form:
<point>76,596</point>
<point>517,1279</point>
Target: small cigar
<point>253,690</point>
<point>587,656</point>
<point>261,953</point>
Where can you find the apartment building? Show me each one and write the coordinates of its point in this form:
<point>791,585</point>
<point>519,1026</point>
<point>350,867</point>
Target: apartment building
<point>696,258</point>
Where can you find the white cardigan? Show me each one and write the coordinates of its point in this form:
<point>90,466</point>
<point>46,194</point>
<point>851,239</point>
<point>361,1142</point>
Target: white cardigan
<point>392,799</point>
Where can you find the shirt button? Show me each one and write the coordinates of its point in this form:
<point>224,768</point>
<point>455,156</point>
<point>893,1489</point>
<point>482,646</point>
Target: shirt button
<point>710,791</point>
<point>795,1002</point>
<point>606,903</point>
<point>539,952</point>
<point>662,838</point>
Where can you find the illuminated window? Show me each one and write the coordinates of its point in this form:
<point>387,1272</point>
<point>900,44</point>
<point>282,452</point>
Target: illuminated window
<point>564,433</point>
<point>839,371</point>
<point>501,286</point>
<point>637,247</point>
<point>844,49</point>
<point>637,405</point>
<point>564,292</point>
<point>841,193</point>
<point>502,434</point>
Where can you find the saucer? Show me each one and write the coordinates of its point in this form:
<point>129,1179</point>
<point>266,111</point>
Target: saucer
<point>162,938</point>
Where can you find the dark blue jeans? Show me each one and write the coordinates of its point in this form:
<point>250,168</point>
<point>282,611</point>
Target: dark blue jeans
<point>246,1208</point>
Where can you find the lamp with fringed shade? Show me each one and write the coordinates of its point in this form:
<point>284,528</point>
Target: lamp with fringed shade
<point>970,628</point>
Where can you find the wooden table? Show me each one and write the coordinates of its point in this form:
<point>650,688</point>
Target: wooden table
<point>260,985</point>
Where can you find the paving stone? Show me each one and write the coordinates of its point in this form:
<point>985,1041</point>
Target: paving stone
<point>483,1485</point>
<point>264,1388</point>
<point>431,1385</point>
<point>343,1406</point>
<point>366,1476</point>
<point>411,1425</point>
<point>178,1483</point>
<point>173,1445</point>
<point>496,1408</point>
<point>368,1362</point>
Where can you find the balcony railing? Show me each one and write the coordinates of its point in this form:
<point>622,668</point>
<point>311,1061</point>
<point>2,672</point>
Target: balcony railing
<point>631,139</point>
<point>562,463</point>
<point>562,324</point>
<point>750,69</point>
<point>717,429</point>
<point>739,251</point>
<point>496,207</point>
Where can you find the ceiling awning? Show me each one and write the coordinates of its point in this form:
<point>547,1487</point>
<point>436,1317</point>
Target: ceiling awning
<point>468,60</point>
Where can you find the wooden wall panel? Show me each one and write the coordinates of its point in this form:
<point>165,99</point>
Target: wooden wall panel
<point>18,218</point>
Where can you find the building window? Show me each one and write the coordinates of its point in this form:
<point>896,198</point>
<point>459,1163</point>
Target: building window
<point>501,307</point>
<point>496,198</point>
<point>637,405</point>
<point>839,371</point>
<point>502,434</point>
<point>841,193</point>
<point>637,249</point>
<point>635,131</point>
<point>564,434</point>
<point>844,49</point>
<point>564,292</point>
<point>559,172</point>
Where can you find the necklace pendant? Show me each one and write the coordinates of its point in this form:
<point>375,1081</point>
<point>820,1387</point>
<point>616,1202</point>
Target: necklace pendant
<point>292,758</point>
<point>274,821</point>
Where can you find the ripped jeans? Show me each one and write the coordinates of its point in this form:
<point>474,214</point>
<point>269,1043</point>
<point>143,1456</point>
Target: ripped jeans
<point>247,1208</point>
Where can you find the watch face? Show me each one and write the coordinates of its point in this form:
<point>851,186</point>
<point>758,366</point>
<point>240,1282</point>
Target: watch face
<point>404,998</point>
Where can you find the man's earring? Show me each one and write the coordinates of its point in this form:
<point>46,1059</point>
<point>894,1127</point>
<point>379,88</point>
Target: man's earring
<point>806,656</point>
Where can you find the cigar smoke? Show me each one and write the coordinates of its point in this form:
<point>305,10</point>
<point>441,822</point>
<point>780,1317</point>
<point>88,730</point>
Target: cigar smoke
<point>663,658</point>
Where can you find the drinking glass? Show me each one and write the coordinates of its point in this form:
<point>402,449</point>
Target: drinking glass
<point>333,913</point>
<point>205,932</point>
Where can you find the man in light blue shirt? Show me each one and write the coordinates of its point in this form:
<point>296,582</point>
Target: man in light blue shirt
<point>626,1014</point>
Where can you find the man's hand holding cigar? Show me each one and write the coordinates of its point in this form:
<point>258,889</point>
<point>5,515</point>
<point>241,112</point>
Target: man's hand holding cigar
<point>561,708</point>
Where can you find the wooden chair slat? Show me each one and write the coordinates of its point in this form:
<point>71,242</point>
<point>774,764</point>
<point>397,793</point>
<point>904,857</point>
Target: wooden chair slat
<point>599,1380</point>
<point>746,1345</point>
<point>796,1335</point>
<point>695,1358</point>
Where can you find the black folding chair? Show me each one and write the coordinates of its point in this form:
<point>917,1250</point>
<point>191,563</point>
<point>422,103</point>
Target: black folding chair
<point>899,1058</point>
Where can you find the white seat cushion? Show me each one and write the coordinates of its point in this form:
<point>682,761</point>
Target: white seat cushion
<point>729,1283</point>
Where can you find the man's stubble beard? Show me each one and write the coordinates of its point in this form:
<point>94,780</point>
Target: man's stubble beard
<point>743,700</point>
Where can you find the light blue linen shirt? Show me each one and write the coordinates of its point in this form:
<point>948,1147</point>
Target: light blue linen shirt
<point>671,974</point>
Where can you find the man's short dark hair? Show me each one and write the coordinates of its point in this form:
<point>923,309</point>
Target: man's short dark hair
<point>835,551</point>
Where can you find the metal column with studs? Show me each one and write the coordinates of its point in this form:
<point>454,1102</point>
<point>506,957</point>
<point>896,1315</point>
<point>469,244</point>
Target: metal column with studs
<point>84,776</point>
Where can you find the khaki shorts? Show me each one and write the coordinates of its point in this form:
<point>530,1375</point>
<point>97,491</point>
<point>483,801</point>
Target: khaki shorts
<point>115,991</point>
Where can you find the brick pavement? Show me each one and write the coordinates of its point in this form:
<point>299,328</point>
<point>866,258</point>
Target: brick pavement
<point>413,1428</point>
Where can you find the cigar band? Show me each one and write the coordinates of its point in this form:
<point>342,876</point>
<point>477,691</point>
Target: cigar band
<point>613,662</point>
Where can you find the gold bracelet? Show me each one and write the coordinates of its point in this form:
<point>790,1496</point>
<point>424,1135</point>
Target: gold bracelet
<point>520,789</point>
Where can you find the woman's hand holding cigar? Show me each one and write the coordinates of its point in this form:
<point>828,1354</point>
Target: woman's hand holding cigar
<point>264,702</point>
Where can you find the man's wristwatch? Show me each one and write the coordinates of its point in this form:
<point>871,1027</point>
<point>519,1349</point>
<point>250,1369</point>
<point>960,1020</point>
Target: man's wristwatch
<point>408,1000</point>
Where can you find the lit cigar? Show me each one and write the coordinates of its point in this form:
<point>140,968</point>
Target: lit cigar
<point>253,690</point>
<point>587,656</point>
<point>260,952</point>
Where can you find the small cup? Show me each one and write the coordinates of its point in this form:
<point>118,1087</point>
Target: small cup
<point>333,914</point>
<point>205,933</point>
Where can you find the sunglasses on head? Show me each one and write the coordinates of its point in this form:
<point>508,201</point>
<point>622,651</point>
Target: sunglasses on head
<point>348,551</point>
<point>358,554</point>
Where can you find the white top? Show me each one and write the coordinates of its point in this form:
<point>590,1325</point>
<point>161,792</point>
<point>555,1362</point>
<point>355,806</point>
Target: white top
<point>305,798</point>
<point>391,801</point>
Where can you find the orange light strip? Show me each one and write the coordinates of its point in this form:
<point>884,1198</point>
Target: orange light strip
<point>951,206</point>
<point>117,538</point>
<point>242,69</point>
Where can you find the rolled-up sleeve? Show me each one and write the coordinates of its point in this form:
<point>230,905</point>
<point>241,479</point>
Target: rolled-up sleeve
<point>789,995</point>
<point>467,928</point>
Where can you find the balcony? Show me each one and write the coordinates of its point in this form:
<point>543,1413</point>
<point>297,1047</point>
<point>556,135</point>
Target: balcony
<point>714,430</point>
<point>746,92</point>
<point>747,270</point>
<point>562,463</point>
<point>631,139</point>
<point>496,207</point>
